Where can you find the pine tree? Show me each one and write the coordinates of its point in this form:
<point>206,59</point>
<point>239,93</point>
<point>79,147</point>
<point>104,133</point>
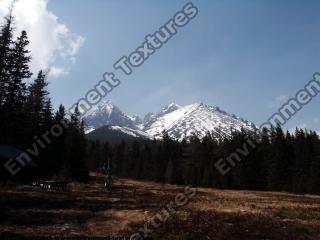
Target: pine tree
<point>76,149</point>
<point>38,104</point>
<point>5,55</point>
<point>16,91</point>
<point>19,72</point>
<point>47,114</point>
<point>5,61</point>
<point>300,168</point>
<point>313,183</point>
<point>58,149</point>
<point>262,157</point>
<point>278,170</point>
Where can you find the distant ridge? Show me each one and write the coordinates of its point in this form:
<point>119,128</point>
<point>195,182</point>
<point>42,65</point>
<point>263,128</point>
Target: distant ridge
<point>177,121</point>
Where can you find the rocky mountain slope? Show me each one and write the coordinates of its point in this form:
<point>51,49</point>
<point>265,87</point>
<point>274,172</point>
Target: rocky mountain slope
<point>179,122</point>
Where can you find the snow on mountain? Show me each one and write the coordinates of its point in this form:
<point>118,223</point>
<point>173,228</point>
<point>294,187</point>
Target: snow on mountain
<point>151,117</point>
<point>179,122</point>
<point>106,113</point>
<point>88,130</point>
<point>116,134</point>
<point>148,117</point>
<point>168,109</point>
<point>132,132</point>
<point>135,119</point>
<point>196,119</point>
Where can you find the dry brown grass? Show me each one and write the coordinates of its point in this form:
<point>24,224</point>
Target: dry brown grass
<point>88,210</point>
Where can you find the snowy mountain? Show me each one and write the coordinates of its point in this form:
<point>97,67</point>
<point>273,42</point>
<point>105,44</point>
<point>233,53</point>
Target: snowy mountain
<point>106,113</point>
<point>196,119</point>
<point>151,117</point>
<point>179,122</point>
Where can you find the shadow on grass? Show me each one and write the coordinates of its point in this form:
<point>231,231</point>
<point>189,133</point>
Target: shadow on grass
<point>230,226</point>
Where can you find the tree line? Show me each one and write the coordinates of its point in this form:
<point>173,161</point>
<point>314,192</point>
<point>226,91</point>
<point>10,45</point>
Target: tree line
<point>279,162</point>
<point>26,113</point>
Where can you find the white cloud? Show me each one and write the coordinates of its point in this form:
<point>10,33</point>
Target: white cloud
<point>57,71</point>
<point>50,40</point>
<point>316,120</point>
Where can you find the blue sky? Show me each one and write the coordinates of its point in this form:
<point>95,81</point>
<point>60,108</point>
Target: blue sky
<point>244,56</point>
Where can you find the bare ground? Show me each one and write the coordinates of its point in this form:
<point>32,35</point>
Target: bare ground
<point>89,210</point>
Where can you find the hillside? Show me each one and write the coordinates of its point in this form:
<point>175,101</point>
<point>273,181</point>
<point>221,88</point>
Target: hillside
<point>89,211</point>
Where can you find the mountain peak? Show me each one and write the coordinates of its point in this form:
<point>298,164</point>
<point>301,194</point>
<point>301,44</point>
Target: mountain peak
<point>196,119</point>
<point>172,104</point>
<point>170,108</point>
<point>179,122</point>
<point>104,105</point>
<point>199,104</point>
<point>106,113</point>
